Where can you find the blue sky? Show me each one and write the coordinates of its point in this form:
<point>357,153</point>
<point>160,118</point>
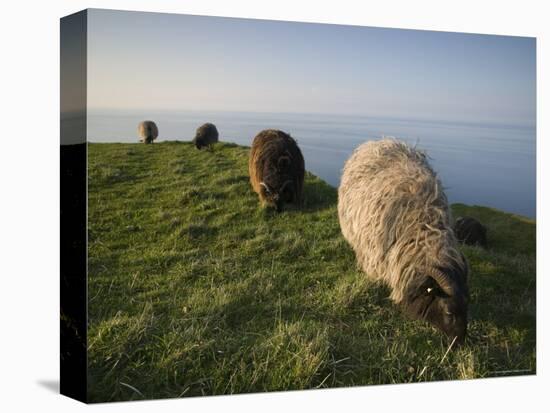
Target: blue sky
<point>157,61</point>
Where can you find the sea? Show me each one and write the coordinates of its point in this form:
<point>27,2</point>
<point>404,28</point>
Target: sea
<point>479,163</point>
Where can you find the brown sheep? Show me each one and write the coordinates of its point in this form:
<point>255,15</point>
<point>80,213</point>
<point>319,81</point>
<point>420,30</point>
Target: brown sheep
<point>276,168</point>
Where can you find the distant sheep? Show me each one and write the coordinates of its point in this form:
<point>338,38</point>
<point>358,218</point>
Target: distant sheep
<point>148,131</point>
<point>470,231</point>
<point>206,135</point>
<point>276,168</point>
<point>394,213</point>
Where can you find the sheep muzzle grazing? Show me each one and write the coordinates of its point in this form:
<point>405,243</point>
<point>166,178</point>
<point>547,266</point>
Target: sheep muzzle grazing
<point>276,168</point>
<point>276,195</point>
<point>394,213</point>
<point>437,299</point>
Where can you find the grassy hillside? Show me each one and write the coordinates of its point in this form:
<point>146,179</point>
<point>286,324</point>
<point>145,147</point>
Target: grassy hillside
<point>194,290</point>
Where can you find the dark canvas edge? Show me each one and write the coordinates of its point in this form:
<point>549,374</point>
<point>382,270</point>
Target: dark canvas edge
<point>73,202</point>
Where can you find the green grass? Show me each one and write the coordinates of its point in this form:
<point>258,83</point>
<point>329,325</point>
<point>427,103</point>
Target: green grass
<point>194,290</point>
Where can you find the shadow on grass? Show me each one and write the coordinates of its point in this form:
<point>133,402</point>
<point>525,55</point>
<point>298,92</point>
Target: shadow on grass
<point>511,250</point>
<point>318,195</point>
<point>502,281</point>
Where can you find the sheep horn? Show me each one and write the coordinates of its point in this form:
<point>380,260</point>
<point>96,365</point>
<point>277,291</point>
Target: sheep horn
<point>265,186</point>
<point>443,280</point>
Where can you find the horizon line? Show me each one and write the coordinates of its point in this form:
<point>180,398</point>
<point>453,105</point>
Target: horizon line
<point>531,123</point>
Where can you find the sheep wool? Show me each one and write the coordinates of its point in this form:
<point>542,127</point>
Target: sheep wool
<point>276,168</point>
<point>147,131</point>
<point>394,213</point>
<point>206,135</point>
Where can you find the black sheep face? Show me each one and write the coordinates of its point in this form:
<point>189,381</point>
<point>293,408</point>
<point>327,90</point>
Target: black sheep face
<point>149,138</point>
<point>199,141</point>
<point>444,306</point>
<point>277,187</point>
<point>277,191</point>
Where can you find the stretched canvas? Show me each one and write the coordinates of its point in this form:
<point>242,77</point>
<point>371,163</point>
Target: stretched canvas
<point>252,206</point>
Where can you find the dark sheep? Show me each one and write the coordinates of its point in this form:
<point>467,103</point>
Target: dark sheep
<point>205,136</point>
<point>276,168</point>
<point>470,231</point>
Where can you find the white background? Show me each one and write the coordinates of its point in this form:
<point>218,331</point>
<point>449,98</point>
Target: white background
<point>29,204</point>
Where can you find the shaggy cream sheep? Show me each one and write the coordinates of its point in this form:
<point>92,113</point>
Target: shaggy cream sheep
<point>394,213</point>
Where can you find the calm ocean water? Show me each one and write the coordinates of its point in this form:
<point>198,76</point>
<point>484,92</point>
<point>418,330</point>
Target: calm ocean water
<point>482,164</point>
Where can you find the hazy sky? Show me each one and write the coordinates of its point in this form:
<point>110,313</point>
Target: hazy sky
<point>159,61</point>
